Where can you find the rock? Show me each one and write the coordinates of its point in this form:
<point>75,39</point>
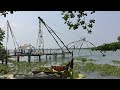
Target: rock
<point>1,77</point>
<point>8,76</point>
<point>40,76</point>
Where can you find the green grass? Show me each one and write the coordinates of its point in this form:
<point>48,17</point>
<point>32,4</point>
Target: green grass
<point>4,69</point>
<point>104,69</point>
<point>84,59</point>
<point>25,67</point>
<point>116,62</point>
<point>22,67</point>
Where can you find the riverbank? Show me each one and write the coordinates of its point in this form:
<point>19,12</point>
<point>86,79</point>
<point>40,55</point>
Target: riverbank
<point>81,65</point>
<point>96,71</point>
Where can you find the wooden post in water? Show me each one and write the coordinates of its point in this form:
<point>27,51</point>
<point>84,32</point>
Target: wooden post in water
<point>6,60</point>
<point>8,52</point>
<point>29,58</point>
<point>56,58</point>
<point>15,52</point>
<point>72,54</point>
<point>63,54</point>
<point>6,57</point>
<point>18,58</point>
<point>50,54</point>
<point>72,65</point>
<point>2,58</point>
<point>46,57</point>
<point>39,58</point>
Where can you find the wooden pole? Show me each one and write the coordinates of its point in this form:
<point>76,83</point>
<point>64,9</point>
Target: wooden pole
<point>6,60</point>
<point>29,58</point>
<point>6,57</point>
<point>46,57</point>
<point>72,66</point>
<point>15,52</point>
<point>2,58</point>
<point>50,54</point>
<point>72,54</point>
<point>63,54</point>
<point>8,52</point>
<point>2,61</point>
<point>56,58</point>
<point>39,58</point>
<point>18,58</point>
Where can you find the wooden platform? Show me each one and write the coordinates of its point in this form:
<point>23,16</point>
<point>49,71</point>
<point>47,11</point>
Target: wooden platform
<point>39,54</point>
<point>29,53</point>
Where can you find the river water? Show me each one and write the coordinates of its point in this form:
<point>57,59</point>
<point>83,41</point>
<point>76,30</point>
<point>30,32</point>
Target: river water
<point>84,53</point>
<point>97,56</point>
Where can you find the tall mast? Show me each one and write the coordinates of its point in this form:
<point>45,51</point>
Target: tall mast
<point>40,41</point>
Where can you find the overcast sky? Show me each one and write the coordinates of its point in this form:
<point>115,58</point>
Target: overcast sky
<point>25,28</point>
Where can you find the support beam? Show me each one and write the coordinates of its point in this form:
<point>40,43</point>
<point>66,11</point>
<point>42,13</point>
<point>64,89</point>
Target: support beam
<point>6,60</point>
<point>18,58</point>
<point>2,61</point>
<point>29,58</point>
<point>63,55</point>
<point>39,58</point>
<point>46,57</point>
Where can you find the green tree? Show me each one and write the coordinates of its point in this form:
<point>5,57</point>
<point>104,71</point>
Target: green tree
<point>4,13</point>
<point>69,17</point>
<point>2,49</point>
<point>118,38</point>
<point>80,20</point>
<point>2,35</point>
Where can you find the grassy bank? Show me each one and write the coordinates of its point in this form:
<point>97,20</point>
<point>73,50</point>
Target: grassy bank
<point>84,59</point>
<point>26,68</point>
<point>116,62</point>
<point>4,69</point>
<point>22,67</point>
<point>103,69</point>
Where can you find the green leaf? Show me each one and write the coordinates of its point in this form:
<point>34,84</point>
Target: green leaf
<point>90,25</point>
<point>78,20</point>
<point>79,15</point>
<point>92,21</point>
<point>85,14</point>
<point>92,12</point>
<point>66,17</point>
<point>82,22</point>
<point>89,31</point>
<point>84,27</point>
<point>75,26</point>
<point>72,15</point>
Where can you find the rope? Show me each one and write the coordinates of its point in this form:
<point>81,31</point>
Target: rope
<point>88,47</point>
<point>13,37</point>
<point>7,37</point>
<point>59,38</point>
<point>95,46</point>
<point>52,35</point>
<point>40,41</point>
<point>54,38</point>
<point>68,44</point>
<point>80,48</point>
